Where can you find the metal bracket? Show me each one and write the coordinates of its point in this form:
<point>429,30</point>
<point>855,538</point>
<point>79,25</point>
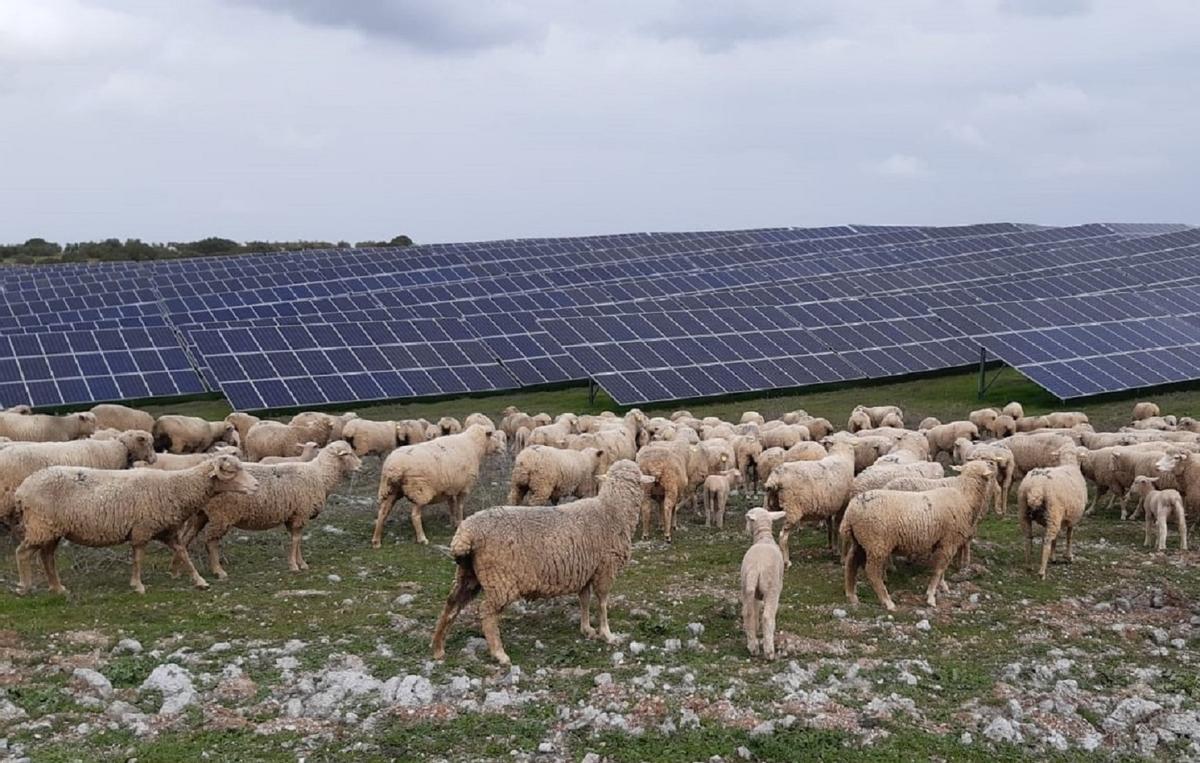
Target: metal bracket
<point>591,392</point>
<point>984,383</point>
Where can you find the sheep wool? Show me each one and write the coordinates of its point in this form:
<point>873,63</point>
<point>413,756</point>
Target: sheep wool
<point>30,427</point>
<point>189,434</point>
<point>666,464</point>
<point>124,418</point>
<point>812,490</point>
<point>242,422</point>
<point>1015,410</point>
<point>443,470</point>
<point>371,438</point>
<point>716,496</point>
<point>308,451</point>
<point>524,553</point>
<point>545,475</point>
<point>1055,498</point>
<point>761,582</point>
<point>288,496</point>
<point>171,462</point>
<point>95,507</point>
<point>271,438</point>
<point>1001,456</point>
<point>1144,410</point>
<point>1160,506</point>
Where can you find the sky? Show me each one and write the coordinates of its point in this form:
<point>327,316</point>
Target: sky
<point>454,120</point>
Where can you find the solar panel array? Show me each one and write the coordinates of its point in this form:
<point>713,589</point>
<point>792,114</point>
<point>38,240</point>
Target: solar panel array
<point>648,316</point>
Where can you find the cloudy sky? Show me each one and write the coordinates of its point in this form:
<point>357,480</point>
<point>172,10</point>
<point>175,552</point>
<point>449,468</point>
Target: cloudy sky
<point>467,119</point>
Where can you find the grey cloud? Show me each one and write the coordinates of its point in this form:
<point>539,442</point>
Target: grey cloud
<point>716,25</point>
<point>1046,7</point>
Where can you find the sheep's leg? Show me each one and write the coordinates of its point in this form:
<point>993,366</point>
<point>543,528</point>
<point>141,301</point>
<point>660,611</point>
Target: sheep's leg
<point>875,566</point>
<point>47,552</point>
<point>784,533</point>
<point>418,527</point>
<point>385,508</point>
<point>181,553</point>
<point>1070,538</point>
<point>25,568</point>
<point>187,534</point>
<point>1162,529</point>
<point>721,503</point>
<point>647,511</point>
<point>854,558</point>
<point>585,612</point>
<point>466,585</point>
<point>770,607</point>
<point>516,494</point>
<point>135,575</point>
<point>297,558</point>
<point>1182,522</point>
<point>669,509</point>
<point>941,560</point>
<point>1048,542</point>
<point>602,584</point>
<point>750,620</point>
<point>1147,523</point>
<point>454,509</point>
<point>1027,531</point>
<point>708,509</point>
<point>489,615</point>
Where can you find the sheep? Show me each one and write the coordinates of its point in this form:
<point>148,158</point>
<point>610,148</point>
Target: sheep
<point>942,437</point>
<point>866,449</point>
<point>271,438</point>
<point>371,438</point>
<point>1030,423</point>
<point>716,496</point>
<point>983,418</point>
<point>677,415</point>
<point>19,460</point>
<point>20,410</point>
<point>812,490</point>
<point>1144,410</point>
<point>1184,468</point>
<point>879,412</point>
<point>448,425</point>
<point>546,475</point>
<point>29,427</point>
<point>308,451</point>
<point>929,422</point>
<point>818,427</point>
<point>784,436</point>
<point>1055,498</point>
<point>1187,424</point>
<point>408,432</point>
<point>795,417</point>
<point>321,428</point>
<point>753,417</point>
<point>1159,506</point>
<point>444,470</point>
<point>242,422</point>
<point>1000,455</point>
<point>521,439</point>
<point>719,432</point>
<point>478,418</point>
<point>879,474</point>
<point>288,495</point>
<point>921,484</point>
<point>1034,451</point>
<point>190,434</point>
<point>171,462</point>
<point>95,507</point>
<point>555,435</point>
<point>891,419</point>
<point>123,418</point>
<point>1065,419</point>
<point>859,420</point>
<point>718,456</point>
<point>1164,423</point>
<point>761,581</point>
<point>1003,426</point>
<point>511,420</point>
<point>1015,410</point>
<point>523,553</point>
<point>934,523</point>
<point>666,464</point>
<point>746,449</point>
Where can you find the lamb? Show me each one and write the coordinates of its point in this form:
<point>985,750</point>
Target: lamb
<point>546,475</point>
<point>123,418</point>
<point>666,464</point>
<point>444,470</point>
<point>271,438</point>
<point>1003,426</point>
<point>761,581</point>
<point>1065,419</point>
<point>308,451</point>
<point>371,438</point>
<point>1001,456</point>
<point>1159,506</point>
<point>983,418</point>
<point>1132,461</point>
<point>1144,410</point>
<point>190,434</point>
<point>935,523</point>
<point>242,422</point>
<point>321,428</point>
<point>29,427</point>
<point>288,495</point>
<point>1015,410</point>
<point>812,490</point>
<point>511,420</point>
<point>524,553</point>
<point>716,496</point>
<point>929,422</point>
<point>1055,498</point>
<point>95,507</point>
<point>19,460</point>
<point>942,437</point>
<point>171,462</point>
<point>555,435</point>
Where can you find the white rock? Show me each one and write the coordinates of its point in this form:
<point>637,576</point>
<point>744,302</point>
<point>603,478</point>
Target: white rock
<point>1002,730</point>
<point>617,658</point>
<point>766,728</point>
<point>545,747</point>
<point>10,712</point>
<point>497,700</point>
<point>603,679</point>
<point>966,738</point>
<point>744,753</point>
<point>840,613</point>
<point>128,646</point>
<point>591,757</point>
<point>636,647</point>
<point>403,600</point>
<point>175,684</point>
<point>95,683</point>
<point>220,646</point>
<point>334,578</point>
<point>408,691</point>
<point>1130,711</point>
<point>923,625</point>
<point>696,629</point>
<point>672,645</point>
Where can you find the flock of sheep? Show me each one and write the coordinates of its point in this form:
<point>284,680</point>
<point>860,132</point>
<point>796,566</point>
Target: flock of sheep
<point>581,485</point>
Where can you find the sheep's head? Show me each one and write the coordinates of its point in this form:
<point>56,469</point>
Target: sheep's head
<point>86,422</point>
<point>982,469</point>
<point>1170,462</point>
<point>229,476</point>
<point>760,518</point>
<point>20,410</point>
<point>1142,485</point>
<point>139,446</point>
<point>347,459</point>
<point>230,435</point>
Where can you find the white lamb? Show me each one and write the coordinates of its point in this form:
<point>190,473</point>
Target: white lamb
<point>761,581</point>
<point>1159,506</point>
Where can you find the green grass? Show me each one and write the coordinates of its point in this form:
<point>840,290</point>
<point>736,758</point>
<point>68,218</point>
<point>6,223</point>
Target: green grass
<point>664,588</point>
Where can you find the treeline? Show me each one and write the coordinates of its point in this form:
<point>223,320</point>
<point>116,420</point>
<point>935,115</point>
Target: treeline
<point>38,250</point>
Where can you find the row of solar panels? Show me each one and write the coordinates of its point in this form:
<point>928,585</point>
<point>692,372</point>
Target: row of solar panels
<point>649,317</point>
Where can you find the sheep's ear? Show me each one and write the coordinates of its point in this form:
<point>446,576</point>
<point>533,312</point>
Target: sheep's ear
<point>646,479</point>
<point>956,467</point>
<point>775,516</point>
<point>1151,479</point>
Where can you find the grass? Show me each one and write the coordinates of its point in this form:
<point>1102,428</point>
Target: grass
<point>663,590</point>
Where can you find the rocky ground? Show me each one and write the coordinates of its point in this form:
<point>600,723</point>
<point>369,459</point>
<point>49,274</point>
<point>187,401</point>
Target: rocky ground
<point>1099,660</point>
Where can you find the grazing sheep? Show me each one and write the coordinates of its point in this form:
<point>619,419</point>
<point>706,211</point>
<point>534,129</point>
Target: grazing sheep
<point>1164,423</point>
<point>892,419</point>
<point>371,438</point>
<point>1159,506</point>
<point>929,422</point>
<point>753,417</point>
<point>983,418</point>
<point>321,428</point>
<point>718,456</point>
<point>879,474</point>
<point>242,422</point>
<point>614,444</point>
<point>1003,426</point>
<point>1188,424</point>
<point>1015,410</point>
<point>867,449</point>
<point>172,462</point>
<point>812,490</point>
<point>308,451</point>
<point>521,439</point>
<point>1001,456</point>
<point>478,418</point>
<point>817,427</point>
<point>546,475</point>
<point>20,410</point>
<point>448,425</point>
<point>288,496</point>
<point>271,438</point>
<point>555,435</point>
<point>408,431</point>
<point>859,420</point>
<point>784,436</point>
<point>666,464</point>
<point>95,507</point>
<point>716,496</point>
<point>943,436</point>
<point>1034,451</point>
<point>761,581</point>
<point>1065,419</point>
<point>21,459</point>
<point>1132,461</point>
<point>121,417</point>
<point>190,434</point>
<point>1030,423</point>
<point>677,415</point>
<point>1055,498</point>
<point>525,553</point>
<point>877,413</point>
<point>29,427</point>
<point>795,417</point>
<point>746,449</point>
<point>511,420</point>
<point>444,470</point>
<point>1144,410</point>
<point>934,523</point>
